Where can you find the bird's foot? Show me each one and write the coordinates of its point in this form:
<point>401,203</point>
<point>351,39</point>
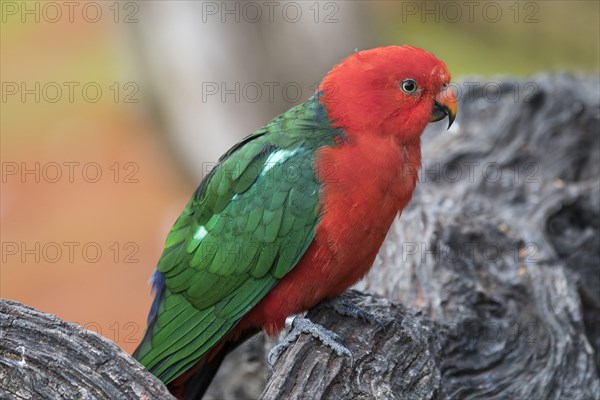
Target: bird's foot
<point>302,325</point>
<point>347,308</point>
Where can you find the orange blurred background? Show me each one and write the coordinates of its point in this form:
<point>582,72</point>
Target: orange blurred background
<point>104,132</point>
<point>88,193</point>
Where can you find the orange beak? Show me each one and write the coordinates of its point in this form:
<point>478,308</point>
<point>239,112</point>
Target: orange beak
<point>444,106</point>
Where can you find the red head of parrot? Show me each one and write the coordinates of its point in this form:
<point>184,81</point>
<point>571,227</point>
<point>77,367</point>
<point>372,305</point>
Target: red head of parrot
<point>394,90</point>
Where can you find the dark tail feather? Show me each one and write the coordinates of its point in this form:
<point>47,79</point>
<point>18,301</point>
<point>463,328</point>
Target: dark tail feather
<point>193,384</point>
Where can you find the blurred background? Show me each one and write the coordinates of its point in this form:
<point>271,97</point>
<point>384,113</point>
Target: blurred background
<point>113,111</point>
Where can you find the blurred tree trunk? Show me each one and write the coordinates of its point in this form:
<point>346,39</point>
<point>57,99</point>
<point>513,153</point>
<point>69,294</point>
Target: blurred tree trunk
<point>213,72</point>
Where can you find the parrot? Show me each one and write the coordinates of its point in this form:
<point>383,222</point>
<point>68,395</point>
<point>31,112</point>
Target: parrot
<point>292,215</point>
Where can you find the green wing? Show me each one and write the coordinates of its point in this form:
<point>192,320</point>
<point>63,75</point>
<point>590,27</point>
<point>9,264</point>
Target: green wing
<point>246,226</point>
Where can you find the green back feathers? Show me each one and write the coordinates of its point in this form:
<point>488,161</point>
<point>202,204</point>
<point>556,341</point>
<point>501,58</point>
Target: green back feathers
<point>245,227</point>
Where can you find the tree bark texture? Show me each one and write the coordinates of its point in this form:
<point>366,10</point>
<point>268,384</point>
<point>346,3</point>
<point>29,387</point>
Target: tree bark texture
<point>42,357</point>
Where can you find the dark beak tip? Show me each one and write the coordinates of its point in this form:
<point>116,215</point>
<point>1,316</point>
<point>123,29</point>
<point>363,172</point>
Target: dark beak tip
<point>440,112</point>
<point>451,119</point>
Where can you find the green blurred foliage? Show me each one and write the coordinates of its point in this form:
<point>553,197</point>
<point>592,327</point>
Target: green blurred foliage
<point>497,37</point>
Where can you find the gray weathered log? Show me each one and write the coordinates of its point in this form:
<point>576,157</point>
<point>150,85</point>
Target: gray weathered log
<point>42,357</point>
<point>398,360</point>
<point>512,260</point>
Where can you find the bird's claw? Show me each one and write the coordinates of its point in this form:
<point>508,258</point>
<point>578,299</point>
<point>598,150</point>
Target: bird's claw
<point>347,308</point>
<point>302,325</point>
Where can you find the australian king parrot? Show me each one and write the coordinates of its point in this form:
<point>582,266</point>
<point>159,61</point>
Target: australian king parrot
<point>294,214</point>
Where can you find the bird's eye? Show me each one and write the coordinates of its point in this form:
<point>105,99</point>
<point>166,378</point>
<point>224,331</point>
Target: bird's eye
<point>408,86</point>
